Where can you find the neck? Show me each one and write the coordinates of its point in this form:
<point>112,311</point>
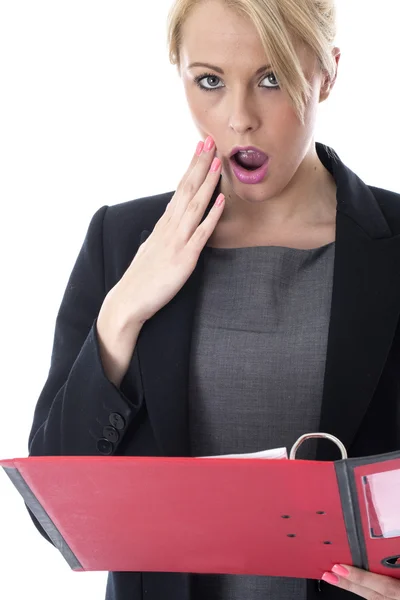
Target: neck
<point>309,199</point>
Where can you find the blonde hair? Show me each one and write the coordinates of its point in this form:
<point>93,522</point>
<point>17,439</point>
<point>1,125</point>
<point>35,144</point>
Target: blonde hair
<point>310,22</point>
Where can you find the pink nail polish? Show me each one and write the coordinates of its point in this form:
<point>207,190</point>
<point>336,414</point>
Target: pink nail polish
<point>199,148</point>
<point>330,578</point>
<point>339,570</point>
<point>209,143</point>
<point>215,165</point>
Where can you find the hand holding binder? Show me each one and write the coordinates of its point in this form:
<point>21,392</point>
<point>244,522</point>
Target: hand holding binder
<point>293,518</point>
<point>363,583</point>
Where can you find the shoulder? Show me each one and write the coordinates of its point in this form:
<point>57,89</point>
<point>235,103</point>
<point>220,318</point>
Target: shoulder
<point>120,227</point>
<point>135,215</point>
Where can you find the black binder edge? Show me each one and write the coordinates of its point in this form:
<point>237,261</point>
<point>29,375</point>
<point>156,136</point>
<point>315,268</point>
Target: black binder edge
<point>351,514</point>
<point>37,509</point>
<point>350,502</point>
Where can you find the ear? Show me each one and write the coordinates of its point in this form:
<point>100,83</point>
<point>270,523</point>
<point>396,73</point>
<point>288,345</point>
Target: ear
<point>327,82</point>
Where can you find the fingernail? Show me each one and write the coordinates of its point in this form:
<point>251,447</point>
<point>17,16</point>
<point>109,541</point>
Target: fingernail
<point>339,570</point>
<point>199,148</point>
<point>330,578</point>
<point>209,143</point>
<point>215,165</point>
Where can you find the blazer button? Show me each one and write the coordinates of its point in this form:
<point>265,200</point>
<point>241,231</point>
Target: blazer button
<point>117,421</point>
<point>104,446</point>
<point>111,434</point>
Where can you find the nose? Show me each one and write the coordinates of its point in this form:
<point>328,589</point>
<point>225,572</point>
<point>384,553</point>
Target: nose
<point>242,117</point>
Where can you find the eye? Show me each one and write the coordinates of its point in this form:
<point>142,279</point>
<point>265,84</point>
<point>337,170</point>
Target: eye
<point>209,76</point>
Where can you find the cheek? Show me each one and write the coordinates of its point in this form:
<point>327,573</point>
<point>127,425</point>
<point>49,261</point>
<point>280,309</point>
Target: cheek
<point>207,122</point>
<point>199,115</point>
<point>283,124</point>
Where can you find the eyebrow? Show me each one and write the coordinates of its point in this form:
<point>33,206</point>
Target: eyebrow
<point>214,68</point>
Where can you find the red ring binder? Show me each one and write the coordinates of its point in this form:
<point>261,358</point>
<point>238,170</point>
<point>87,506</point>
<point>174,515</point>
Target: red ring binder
<point>253,516</point>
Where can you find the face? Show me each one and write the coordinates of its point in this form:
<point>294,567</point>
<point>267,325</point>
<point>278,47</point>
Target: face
<point>243,108</point>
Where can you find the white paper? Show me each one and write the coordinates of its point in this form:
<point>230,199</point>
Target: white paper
<point>274,453</point>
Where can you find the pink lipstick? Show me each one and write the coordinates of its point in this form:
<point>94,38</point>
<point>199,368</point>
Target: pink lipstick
<point>247,176</point>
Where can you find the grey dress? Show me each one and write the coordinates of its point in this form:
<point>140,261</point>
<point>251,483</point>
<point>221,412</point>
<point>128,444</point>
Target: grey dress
<point>256,371</point>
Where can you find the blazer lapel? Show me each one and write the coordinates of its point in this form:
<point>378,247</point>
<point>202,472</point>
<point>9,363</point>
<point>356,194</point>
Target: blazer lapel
<point>364,313</point>
<point>365,306</point>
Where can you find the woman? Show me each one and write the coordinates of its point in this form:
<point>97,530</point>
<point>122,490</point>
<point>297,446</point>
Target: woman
<point>252,305</point>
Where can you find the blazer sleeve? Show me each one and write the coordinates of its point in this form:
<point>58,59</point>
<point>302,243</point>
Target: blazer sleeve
<point>78,401</point>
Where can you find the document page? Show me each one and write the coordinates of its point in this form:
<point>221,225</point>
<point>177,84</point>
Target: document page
<point>274,453</point>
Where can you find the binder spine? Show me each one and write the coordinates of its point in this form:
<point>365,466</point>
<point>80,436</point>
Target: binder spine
<point>43,518</point>
<point>351,513</point>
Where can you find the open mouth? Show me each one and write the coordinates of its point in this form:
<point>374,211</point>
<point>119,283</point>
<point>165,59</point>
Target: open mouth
<point>251,164</point>
<point>237,160</point>
<point>250,168</point>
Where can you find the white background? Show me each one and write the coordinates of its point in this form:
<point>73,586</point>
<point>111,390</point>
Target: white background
<point>92,113</point>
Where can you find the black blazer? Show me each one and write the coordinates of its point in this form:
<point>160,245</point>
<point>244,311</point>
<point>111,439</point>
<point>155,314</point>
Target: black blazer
<point>80,412</point>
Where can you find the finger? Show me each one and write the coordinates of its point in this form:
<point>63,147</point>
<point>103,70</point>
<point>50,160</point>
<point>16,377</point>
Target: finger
<point>169,209</point>
<point>354,588</point>
<point>193,182</point>
<point>193,162</point>
<point>195,209</point>
<point>361,580</point>
<point>203,232</point>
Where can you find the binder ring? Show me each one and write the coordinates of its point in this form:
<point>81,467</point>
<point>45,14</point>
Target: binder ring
<point>307,436</point>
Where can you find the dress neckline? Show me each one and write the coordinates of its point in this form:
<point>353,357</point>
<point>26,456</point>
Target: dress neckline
<point>217,249</point>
